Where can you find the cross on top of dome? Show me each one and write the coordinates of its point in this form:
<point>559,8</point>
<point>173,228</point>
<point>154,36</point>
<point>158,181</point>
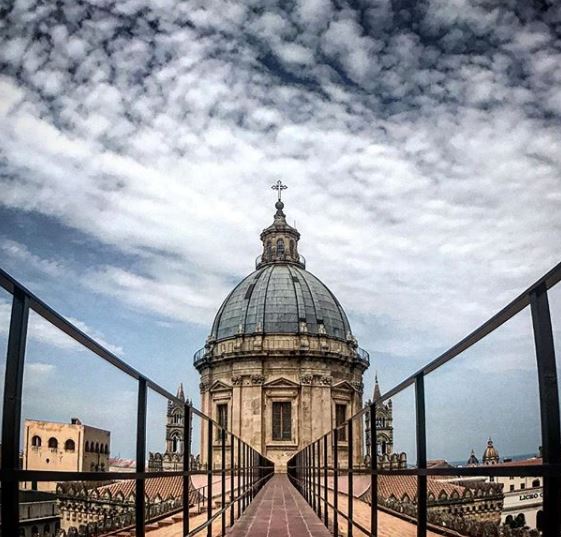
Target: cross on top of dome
<point>279,187</point>
<point>280,240</point>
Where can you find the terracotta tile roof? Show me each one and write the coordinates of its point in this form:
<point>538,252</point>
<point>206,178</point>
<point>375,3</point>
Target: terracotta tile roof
<point>164,487</point>
<point>400,485</point>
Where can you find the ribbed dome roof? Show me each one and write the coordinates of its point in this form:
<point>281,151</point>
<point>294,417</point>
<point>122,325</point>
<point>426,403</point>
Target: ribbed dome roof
<point>281,299</point>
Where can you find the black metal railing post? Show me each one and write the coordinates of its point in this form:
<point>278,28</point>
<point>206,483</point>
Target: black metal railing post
<point>186,466</point>
<point>317,477</point>
<point>244,456</point>
<point>223,478</point>
<point>549,407</point>
<point>140,500</point>
<point>373,473</point>
<point>312,476</point>
<point>421,455</point>
<point>239,470</point>
<point>325,483</point>
<point>11,413</point>
<point>335,483</point>
<point>209,455</point>
<point>350,455</point>
<point>232,475</point>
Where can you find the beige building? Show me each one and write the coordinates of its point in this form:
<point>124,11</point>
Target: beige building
<point>64,447</point>
<point>281,365</point>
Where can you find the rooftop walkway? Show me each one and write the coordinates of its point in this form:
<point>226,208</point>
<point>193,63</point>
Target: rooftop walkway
<point>279,511</point>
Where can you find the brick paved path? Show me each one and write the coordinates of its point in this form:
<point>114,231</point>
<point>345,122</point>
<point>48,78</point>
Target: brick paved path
<point>279,511</point>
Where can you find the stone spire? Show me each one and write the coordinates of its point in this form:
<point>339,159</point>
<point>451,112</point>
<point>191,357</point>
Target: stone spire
<point>472,461</point>
<point>377,392</point>
<point>280,240</point>
<point>180,394</point>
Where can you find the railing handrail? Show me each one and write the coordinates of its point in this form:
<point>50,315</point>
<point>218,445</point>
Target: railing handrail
<point>306,474</point>
<point>254,467</point>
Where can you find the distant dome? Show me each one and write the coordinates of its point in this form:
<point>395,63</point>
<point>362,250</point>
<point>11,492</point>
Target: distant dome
<point>491,455</point>
<point>281,298</point>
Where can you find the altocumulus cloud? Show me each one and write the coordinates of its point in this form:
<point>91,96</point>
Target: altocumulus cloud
<point>420,140</point>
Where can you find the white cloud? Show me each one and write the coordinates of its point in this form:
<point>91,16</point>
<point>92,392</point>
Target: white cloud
<point>433,176</point>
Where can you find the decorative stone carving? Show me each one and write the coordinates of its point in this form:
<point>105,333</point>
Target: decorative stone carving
<point>237,380</point>
<point>326,380</point>
<point>257,379</point>
<point>358,385</point>
<point>306,379</point>
<point>203,386</point>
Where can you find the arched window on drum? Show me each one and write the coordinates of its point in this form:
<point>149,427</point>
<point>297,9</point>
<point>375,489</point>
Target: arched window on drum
<point>280,248</point>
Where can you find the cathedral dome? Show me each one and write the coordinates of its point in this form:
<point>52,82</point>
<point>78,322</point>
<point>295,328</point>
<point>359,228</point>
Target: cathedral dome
<point>281,298</point>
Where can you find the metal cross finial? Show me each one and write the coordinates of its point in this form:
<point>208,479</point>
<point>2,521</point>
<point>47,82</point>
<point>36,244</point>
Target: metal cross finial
<point>279,187</point>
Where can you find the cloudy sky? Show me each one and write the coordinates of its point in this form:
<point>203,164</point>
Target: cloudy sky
<point>421,143</point>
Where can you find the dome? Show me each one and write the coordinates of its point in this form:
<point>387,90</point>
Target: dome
<point>281,298</point>
<point>491,455</point>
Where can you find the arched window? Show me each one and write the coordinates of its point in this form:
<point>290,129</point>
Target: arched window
<point>34,531</point>
<point>69,445</point>
<point>36,441</point>
<point>87,448</point>
<point>539,520</point>
<point>280,248</point>
<point>53,442</point>
<point>536,483</point>
<point>46,530</point>
<point>175,444</point>
<point>97,447</point>
<point>107,449</point>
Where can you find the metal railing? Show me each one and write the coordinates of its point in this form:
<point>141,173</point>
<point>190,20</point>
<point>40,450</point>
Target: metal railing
<point>246,472</point>
<point>363,355</point>
<point>324,467</point>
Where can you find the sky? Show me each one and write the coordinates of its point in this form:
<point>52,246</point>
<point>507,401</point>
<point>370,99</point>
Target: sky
<point>421,146</point>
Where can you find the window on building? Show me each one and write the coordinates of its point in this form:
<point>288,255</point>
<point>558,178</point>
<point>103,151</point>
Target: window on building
<point>107,449</point>
<point>36,441</point>
<point>280,248</point>
<point>340,418</point>
<point>282,420</point>
<point>536,483</point>
<point>511,488</point>
<point>53,442</point>
<point>221,418</point>
<point>69,445</point>
<point>522,486</point>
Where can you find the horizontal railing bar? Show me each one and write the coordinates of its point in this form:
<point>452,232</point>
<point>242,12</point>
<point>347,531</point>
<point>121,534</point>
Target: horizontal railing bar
<point>47,475</point>
<point>59,321</point>
<point>508,312</point>
<point>483,471</point>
